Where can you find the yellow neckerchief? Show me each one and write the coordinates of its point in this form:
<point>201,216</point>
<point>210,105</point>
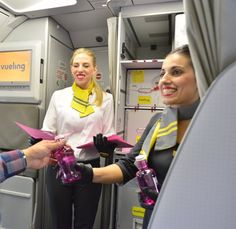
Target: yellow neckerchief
<point>80,101</point>
<point>165,130</point>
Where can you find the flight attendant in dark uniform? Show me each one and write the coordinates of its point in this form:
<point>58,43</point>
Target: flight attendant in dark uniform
<point>163,133</point>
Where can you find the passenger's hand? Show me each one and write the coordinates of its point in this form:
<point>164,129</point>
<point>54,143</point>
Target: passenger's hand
<point>86,171</point>
<point>52,161</point>
<point>103,146</point>
<point>38,155</point>
<point>33,141</point>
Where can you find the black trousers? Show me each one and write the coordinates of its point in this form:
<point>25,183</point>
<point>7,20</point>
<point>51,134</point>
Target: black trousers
<point>72,201</point>
<point>146,219</point>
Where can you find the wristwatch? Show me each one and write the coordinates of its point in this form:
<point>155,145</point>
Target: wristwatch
<point>22,155</point>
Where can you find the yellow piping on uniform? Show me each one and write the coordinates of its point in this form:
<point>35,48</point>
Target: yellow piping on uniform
<point>158,132</point>
<point>169,126</point>
<point>167,132</point>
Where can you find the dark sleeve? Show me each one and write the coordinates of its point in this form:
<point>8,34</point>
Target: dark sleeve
<point>126,164</point>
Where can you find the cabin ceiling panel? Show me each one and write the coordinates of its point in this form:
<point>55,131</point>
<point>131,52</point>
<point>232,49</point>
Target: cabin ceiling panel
<point>138,2</point>
<point>87,20</point>
<point>84,20</point>
<point>82,6</point>
<point>154,29</point>
<point>24,6</point>
<point>87,38</point>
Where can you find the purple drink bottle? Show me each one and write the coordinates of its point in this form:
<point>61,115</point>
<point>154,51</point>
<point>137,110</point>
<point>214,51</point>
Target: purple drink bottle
<point>67,165</point>
<point>146,178</point>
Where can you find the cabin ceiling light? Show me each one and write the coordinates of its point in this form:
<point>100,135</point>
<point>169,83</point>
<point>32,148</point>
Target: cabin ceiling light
<point>23,6</point>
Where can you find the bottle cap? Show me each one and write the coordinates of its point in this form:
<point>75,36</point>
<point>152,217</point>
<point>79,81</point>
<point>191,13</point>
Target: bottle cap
<point>140,161</point>
<point>140,157</point>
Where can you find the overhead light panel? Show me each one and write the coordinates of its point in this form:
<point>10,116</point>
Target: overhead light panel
<point>24,6</point>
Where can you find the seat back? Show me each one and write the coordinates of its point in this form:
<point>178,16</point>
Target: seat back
<point>200,187</point>
<point>17,196</point>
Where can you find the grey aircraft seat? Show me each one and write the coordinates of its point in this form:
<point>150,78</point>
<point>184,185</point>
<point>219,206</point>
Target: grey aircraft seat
<point>17,196</point>
<point>200,187</point>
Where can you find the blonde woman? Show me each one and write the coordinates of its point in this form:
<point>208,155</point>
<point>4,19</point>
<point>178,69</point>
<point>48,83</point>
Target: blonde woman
<point>82,110</point>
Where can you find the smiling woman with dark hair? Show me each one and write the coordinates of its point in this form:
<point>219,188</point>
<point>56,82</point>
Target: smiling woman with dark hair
<point>163,133</point>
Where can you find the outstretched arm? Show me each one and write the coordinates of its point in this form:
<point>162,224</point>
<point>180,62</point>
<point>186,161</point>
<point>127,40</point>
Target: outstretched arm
<point>37,156</point>
<point>105,175</point>
<point>108,175</point>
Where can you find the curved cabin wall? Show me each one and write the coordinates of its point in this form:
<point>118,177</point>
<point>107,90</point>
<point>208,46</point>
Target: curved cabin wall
<point>8,22</point>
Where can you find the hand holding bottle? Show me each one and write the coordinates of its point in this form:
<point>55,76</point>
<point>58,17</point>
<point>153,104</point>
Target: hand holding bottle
<point>86,172</point>
<point>147,192</point>
<point>153,194</point>
<point>147,182</point>
<point>67,164</point>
